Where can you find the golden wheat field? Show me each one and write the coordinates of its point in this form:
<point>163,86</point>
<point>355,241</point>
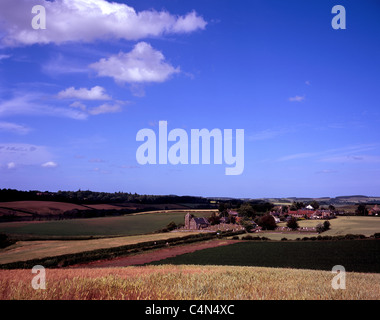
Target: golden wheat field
<point>183,282</point>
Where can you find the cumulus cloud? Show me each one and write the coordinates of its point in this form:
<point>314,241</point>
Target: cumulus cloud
<point>49,164</point>
<point>142,64</point>
<point>89,20</point>
<point>95,93</point>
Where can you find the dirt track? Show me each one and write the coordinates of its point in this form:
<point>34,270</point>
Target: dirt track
<point>154,255</point>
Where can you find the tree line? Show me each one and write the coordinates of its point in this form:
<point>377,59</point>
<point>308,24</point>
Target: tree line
<point>92,197</point>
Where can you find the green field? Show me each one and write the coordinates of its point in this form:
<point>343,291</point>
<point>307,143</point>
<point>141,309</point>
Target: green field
<point>358,225</point>
<point>354,255</point>
<point>340,226</point>
<point>29,250</point>
<point>106,226</point>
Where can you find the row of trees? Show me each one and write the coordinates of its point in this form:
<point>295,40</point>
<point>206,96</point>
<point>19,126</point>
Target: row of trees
<point>253,208</point>
<point>362,210</point>
<point>92,197</point>
<point>267,222</point>
<point>300,205</point>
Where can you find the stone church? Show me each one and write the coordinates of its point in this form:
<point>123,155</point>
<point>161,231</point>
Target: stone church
<point>193,223</point>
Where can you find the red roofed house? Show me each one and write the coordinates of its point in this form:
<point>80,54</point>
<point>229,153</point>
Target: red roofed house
<point>374,211</point>
<point>296,214</point>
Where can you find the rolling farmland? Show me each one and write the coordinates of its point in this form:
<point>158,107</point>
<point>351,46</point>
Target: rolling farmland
<point>242,270</point>
<point>131,224</point>
<point>354,255</point>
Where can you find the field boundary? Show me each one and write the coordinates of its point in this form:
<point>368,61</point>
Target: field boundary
<point>109,253</point>
<point>155,254</point>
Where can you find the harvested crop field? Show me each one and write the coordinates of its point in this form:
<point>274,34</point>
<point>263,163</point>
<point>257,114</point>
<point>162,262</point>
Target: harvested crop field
<point>28,208</point>
<point>181,282</point>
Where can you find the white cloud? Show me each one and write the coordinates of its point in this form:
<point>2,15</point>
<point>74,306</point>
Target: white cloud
<point>23,154</point>
<point>49,164</point>
<point>11,165</point>
<point>359,158</point>
<point>298,156</point>
<point>345,154</point>
<point>142,64</point>
<point>102,109</point>
<point>105,108</point>
<point>79,105</point>
<point>297,99</point>
<point>88,20</point>
<point>95,93</point>
<point>188,23</point>
<point>14,127</point>
<point>4,56</point>
<point>35,104</point>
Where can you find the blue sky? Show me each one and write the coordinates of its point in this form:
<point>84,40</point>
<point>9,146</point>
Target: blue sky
<point>74,95</point>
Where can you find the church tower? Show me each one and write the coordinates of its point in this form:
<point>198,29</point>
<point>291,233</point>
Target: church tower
<point>187,221</point>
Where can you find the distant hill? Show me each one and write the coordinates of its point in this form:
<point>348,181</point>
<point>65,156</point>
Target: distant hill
<point>18,205</point>
<point>53,210</point>
<point>341,200</point>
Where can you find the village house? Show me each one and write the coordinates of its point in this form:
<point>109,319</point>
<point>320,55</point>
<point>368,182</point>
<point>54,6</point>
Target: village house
<point>298,213</point>
<point>310,214</point>
<point>375,211</point>
<point>323,214</point>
